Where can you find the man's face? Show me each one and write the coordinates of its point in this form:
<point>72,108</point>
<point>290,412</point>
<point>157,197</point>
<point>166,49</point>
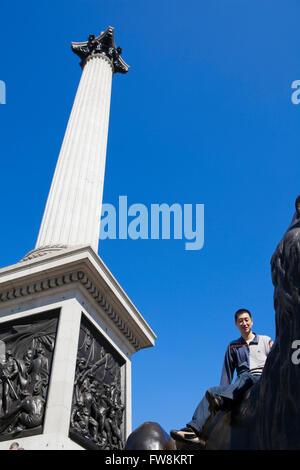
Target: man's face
<point>244,323</point>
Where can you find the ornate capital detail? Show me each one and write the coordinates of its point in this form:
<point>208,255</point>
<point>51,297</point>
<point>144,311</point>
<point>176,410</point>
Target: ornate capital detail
<point>103,44</point>
<point>78,276</point>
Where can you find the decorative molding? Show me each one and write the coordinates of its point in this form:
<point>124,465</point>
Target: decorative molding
<point>42,251</point>
<point>78,276</point>
<point>104,45</point>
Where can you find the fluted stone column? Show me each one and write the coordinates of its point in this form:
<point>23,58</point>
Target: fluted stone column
<point>69,306</point>
<point>73,210</point>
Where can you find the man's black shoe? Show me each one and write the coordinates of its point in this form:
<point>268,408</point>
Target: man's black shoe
<point>187,436</point>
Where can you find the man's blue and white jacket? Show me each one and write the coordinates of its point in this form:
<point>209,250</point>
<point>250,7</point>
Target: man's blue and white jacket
<point>245,357</point>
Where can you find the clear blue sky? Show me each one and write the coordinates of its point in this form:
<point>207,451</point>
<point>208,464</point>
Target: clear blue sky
<point>204,116</point>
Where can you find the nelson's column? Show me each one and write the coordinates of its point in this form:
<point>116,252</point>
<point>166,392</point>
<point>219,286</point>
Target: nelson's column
<point>67,328</point>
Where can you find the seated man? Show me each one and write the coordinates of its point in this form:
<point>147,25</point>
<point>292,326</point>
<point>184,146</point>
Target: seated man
<point>247,355</point>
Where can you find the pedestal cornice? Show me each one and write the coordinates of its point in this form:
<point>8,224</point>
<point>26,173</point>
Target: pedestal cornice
<point>82,266</point>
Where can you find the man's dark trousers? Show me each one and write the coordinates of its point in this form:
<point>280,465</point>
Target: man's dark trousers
<point>232,392</point>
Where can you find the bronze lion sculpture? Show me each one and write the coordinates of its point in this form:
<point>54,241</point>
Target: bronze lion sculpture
<point>268,417</point>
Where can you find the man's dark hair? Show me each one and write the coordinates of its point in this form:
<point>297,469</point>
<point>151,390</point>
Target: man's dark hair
<point>239,312</point>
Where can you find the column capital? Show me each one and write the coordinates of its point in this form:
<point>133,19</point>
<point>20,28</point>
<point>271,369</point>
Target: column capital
<point>103,44</point>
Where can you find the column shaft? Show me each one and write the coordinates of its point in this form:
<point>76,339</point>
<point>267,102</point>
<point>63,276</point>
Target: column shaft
<point>73,209</point>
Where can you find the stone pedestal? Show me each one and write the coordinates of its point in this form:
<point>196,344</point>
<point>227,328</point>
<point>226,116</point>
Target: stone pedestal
<point>67,334</point>
<point>67,329</point>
